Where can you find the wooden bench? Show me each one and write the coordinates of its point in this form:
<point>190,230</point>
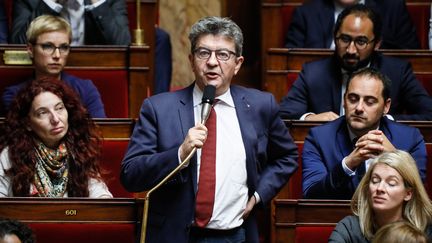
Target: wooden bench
<point>122,74</point>
<point>300,129</point>
<point>148,18</point>
<point>116,134</point>
<point>275,19</point>
<point>306,220</point>
<point>76,219</point>
<point>278,15</point>
<point>283,66</point>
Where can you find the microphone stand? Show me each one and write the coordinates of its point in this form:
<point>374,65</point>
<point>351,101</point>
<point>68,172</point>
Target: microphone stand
<point>138,33</point>
<point>171,174</point>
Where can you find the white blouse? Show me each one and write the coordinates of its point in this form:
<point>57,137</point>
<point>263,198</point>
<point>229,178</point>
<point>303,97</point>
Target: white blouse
<point>97,189</point>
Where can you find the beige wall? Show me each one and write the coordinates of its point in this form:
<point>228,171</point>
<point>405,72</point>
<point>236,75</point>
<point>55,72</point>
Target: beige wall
<point>176,17</point>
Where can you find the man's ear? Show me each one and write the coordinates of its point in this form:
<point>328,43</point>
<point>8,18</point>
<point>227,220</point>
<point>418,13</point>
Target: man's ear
<point>377,45</point>
<point>387,105</point>
<point>239,61</point>
<point>30,50</point>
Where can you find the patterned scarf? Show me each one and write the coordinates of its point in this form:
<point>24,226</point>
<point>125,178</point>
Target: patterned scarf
<point>52,171</point>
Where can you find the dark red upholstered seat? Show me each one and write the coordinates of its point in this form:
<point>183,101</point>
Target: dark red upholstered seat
<point>287,12</point>
<point>83,233</point>
<point>13,75</point>
<point>113,152</point>
<point>419,12</point>
<point>313,234</point>
<point>426,80</point>
<point>113,87</point>
<point>295,182</point>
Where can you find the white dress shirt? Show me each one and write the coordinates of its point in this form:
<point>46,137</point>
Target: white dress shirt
<point>231,194</point>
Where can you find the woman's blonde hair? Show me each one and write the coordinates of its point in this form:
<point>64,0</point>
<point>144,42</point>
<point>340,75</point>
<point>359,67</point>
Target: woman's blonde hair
<point>417,211</point>
<point>47,23</point>
<point>399,232</point>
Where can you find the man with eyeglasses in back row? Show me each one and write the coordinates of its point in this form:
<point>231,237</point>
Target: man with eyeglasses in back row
<point>317,93</point>
<point>48,45</point>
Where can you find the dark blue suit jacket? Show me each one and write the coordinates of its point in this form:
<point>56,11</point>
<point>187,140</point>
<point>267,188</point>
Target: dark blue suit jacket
<point>85,88</point>
<point>153,152</point>
<point>325,147</point>
<point>312,25</point>
<point>318,89</point>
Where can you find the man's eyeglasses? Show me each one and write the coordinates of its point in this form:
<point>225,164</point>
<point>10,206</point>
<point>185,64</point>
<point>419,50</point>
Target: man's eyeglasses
<point>359,42</point>
<point>49,49</point>
<point>221,55</point>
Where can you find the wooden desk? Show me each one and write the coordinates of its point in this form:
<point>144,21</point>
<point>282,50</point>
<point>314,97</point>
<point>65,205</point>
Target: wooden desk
<point>111,128</point>
<point>276,17</point>
<point>134,63</point>
<point>282,62</point>
<point>300,129</point>
<point>71,220</point>
<point>290,214</point>
<point>72,210</point>
<point>116,128</point>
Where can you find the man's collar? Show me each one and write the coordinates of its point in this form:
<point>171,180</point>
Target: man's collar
<point>223,98</point>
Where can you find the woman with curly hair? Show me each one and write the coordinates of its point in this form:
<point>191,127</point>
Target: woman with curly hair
<point>390,191</point>
<point>50,147</point>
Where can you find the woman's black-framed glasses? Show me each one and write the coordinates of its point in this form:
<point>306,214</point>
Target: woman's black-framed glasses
<point>49,48</point>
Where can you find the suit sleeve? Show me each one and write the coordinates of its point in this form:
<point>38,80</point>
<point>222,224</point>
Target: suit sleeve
<point>144,164</point>
<point>24,11</point>
<point>92,100</point>
<point>8,96</point>
<point>414,97</point>
<point>296,36</point>
<point>295,103</point>
<point>319,181</point>
<point>347,231</point>
<point>281,153</point>
<point>418,152</point>
<point>112,21</point>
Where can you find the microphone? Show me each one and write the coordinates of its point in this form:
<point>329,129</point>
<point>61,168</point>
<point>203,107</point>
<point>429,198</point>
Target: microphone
<point>207,102</point>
